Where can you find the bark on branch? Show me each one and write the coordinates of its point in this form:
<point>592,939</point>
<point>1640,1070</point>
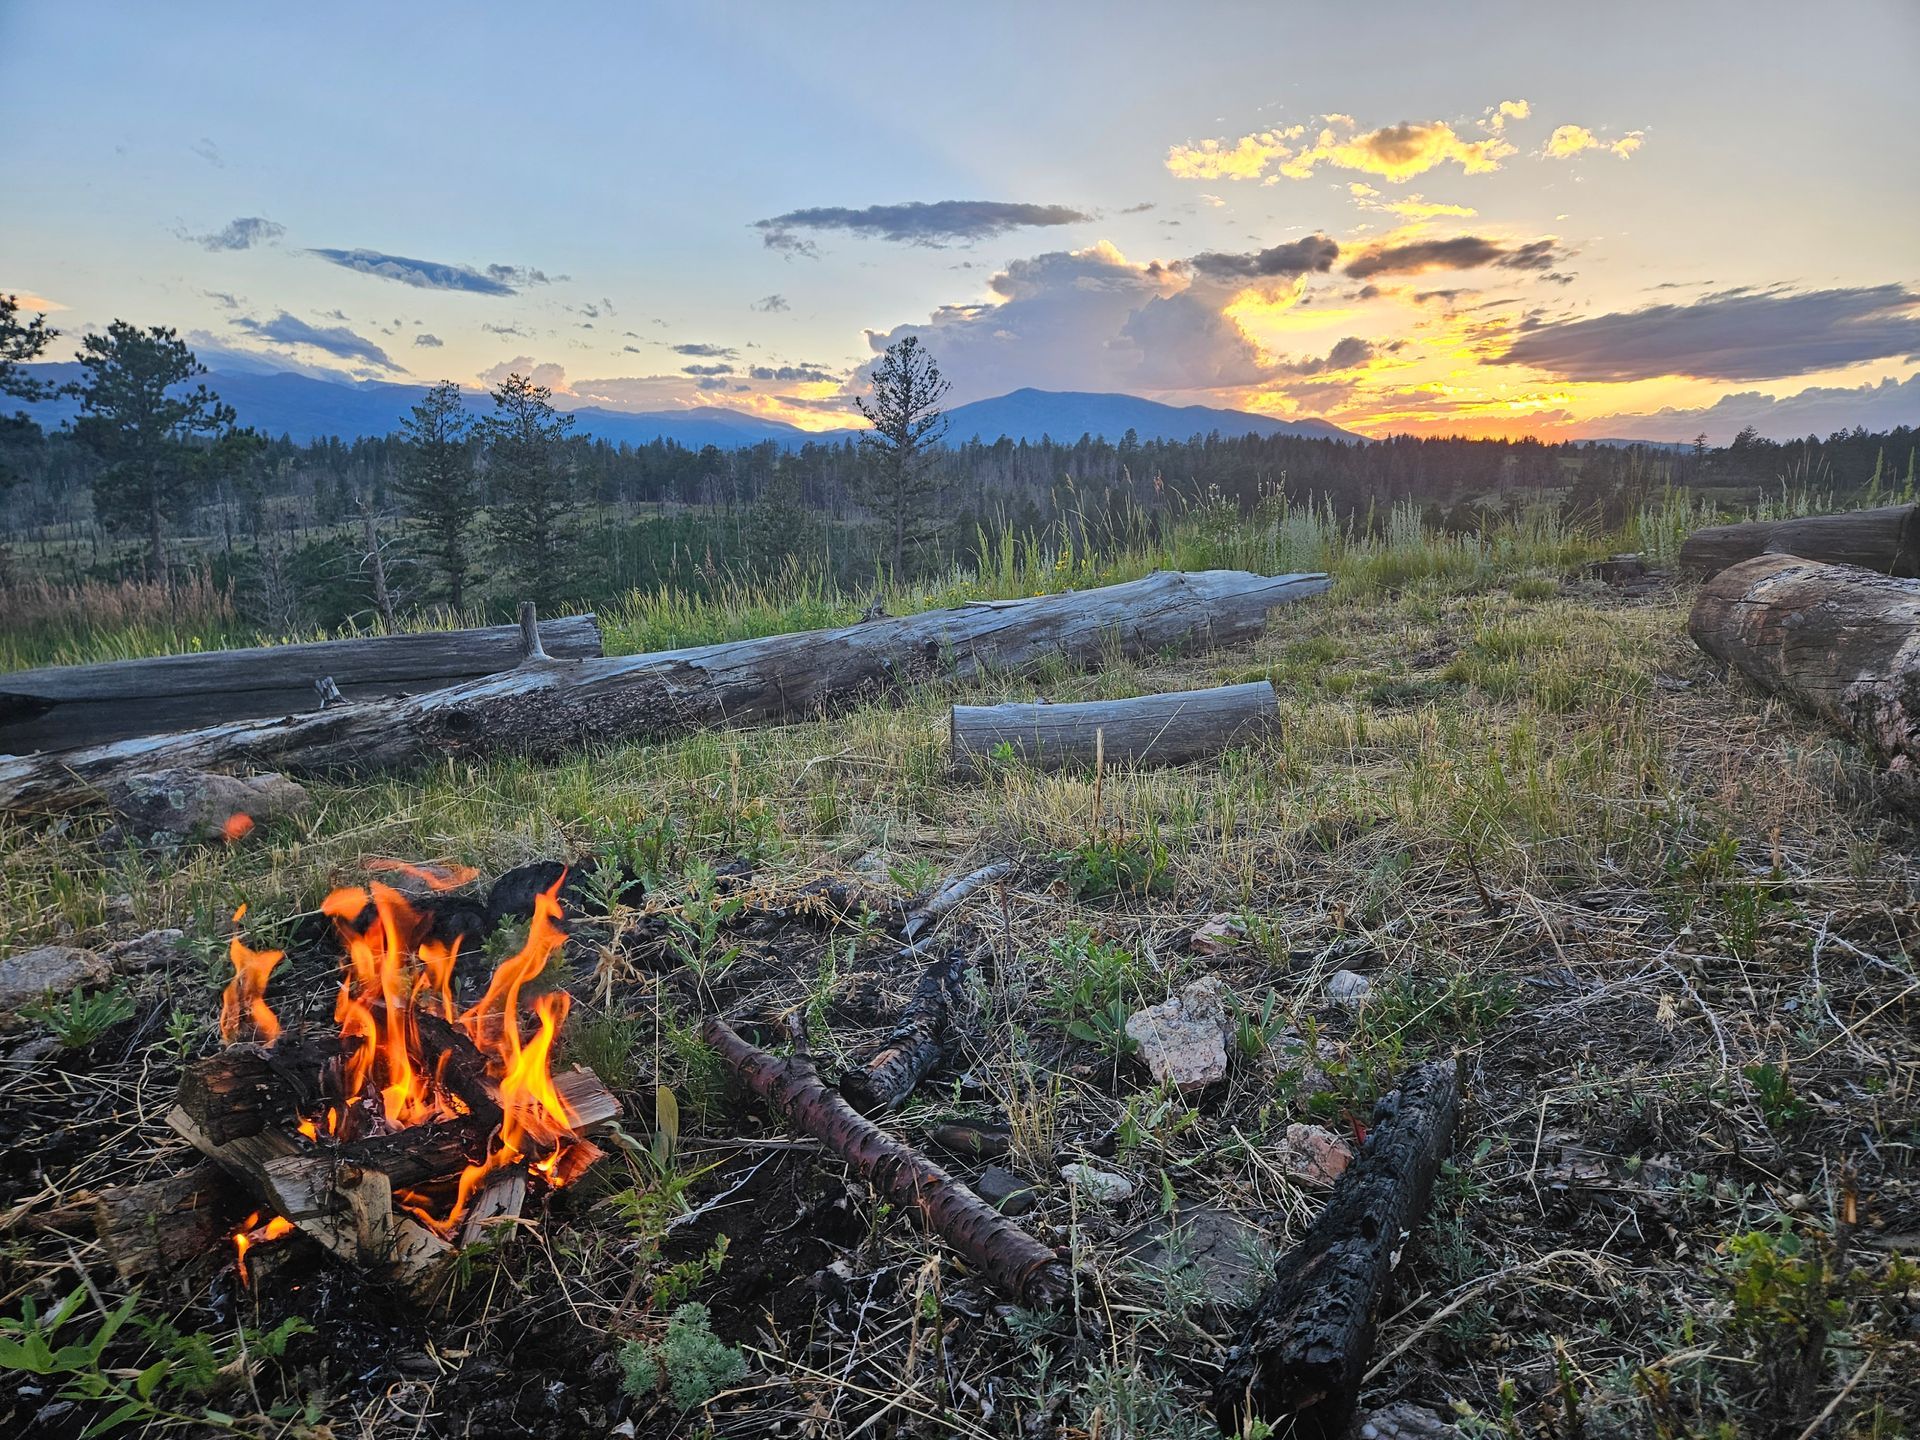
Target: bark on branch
<point>1016,1264</point>
<point>550,709</point>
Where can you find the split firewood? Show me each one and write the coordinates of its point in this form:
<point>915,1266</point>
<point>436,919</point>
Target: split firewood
<point>1841,641</point>
<point>1307,1342</point>
<point>552,708</point>
<point>914,1046</point>
<point>1016,1264</point>
<point>161,1224</point>
<point>1886,540</point>
<point>1145,730</point>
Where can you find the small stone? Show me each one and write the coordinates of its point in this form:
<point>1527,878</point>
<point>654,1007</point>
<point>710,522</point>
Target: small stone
<point>1223,1253</point>
<point>47,972</point>
<point>1348,987</point>
<point>971,1138</point>
<point>1007,1192</point>
<point>1314,1155</point>
<point>178,807</point>
<point>1403,1420</point>
<point>1102,1185</point>
<point>1218,935</point>
<point>1183,1040</point>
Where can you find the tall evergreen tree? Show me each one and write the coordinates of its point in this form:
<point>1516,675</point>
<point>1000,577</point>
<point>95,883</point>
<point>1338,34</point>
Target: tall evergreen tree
<point>438,483</point>
<point>151,435</point>
<point>530,499</point>
<point>908,425</point>
<point>20,342</point>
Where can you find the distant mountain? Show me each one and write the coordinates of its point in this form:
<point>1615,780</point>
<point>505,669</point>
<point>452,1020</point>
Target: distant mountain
<point>307,408</point>
<point>1066,415</point>
<point>280,403</point>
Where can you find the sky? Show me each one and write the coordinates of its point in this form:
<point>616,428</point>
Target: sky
<point>1494,219</point>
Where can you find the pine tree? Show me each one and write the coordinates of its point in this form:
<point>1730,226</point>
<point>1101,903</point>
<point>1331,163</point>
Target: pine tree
<point>438,483</point>
<point>150,435</point>
<point>530,494</point>
<point>19,435</point>
<point>907,426</point>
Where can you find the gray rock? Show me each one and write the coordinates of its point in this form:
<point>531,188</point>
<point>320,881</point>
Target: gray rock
<point>47,972</point>
<point>1183,1040</point>
<point>1221,1254</point>
<point>1102,1185</point>
<point>154,950</point>
<point>1007,1192</point>
<point>1403,1420</point>
<point>175,807</point>
<point>1348,987</point>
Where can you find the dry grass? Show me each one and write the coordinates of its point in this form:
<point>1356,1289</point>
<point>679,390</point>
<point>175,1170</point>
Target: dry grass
<point>1649,907</point>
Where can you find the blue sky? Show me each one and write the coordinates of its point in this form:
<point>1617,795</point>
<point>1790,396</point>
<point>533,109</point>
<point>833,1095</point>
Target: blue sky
<point>1691,207</point>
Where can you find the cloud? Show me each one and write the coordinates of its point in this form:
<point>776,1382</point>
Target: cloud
<point>242,234</point>
<point>789,374</point>
<point>508,330</point>
<point>554,377</point>
<point>932,223</point>
<point>1414,208</point>
<point>1393,152</point>
<point>1820,410</point>
<point>699,350</point>
<point>1506,110</point>
<point>1089,320</point>
<point>771,304</point>
<point>1140,209</point>
<point>1570,140</point>
<point>209,152</point>
<point>721,369</point>
<point>1732,335</point>
<point>1459,252</point>
<point>1347,354</point>
<point>429,342</point>
<point>222,298</point>
<point>290,330</point>
<point>1314,253</point>
<point>434,274</point>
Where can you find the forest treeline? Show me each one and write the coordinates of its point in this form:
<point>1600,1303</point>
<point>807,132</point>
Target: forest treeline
<point>475,513</point>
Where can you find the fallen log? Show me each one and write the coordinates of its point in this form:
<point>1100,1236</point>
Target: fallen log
<point>1015,1263</point>
<point>1886,540</point>
<point>951,895</point>
<point>65,707</point>
<point>549,708</point>
<point>1145,730</point>
<point>1308,1339</point>
<point>1841,641</point>
<point>917,1042</point>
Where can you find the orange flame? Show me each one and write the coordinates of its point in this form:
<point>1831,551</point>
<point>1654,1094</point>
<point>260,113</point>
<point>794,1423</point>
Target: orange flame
<point>252,1233</point>
<point>434,877</point>
<point>245,997</point>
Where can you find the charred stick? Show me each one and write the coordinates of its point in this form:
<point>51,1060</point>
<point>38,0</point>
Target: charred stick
<point>1012,1260</point>
<point>914,1046</point>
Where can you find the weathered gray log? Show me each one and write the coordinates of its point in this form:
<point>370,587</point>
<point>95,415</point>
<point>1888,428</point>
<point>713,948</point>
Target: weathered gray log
<point>550,708</point>
<point>1886,540</point>
<point>1146,730</point>
<point>1311,1332</point>
<point>1841,641</point>
<point>64,707</point>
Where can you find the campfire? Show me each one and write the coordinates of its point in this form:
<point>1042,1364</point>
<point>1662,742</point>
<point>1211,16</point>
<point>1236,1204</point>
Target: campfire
<point>412,1124</point>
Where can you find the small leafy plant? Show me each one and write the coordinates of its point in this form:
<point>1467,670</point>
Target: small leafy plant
<point>1094,983</point>
<point>690,1362</point>
<point>694,927</point>
<point>1115,864</point>
<point>79,1020</point>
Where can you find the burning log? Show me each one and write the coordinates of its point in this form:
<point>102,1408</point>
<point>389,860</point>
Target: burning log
<point>1017,1265</point>
<point>1886,540</point>
<point>1307,1343</point>
<point>1146,730</point>
<point>1841,641</point>
<point>550,707</point>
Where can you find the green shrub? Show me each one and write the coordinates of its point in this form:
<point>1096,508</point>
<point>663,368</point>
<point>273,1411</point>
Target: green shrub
<point>691,1362</point>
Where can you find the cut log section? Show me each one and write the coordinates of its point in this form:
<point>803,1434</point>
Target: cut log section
<point>550,709</point>
<point>1841,641</point>
<point>1886,540</point>
<point>1307,1342</point>
<point>1015,1263</point>
<point>65,707</point>
<point>165,1223</point>
<point>1146,730</point>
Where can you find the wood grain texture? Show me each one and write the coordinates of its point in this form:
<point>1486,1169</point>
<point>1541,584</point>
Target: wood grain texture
<point>1166,729</point>
<point>1886,540</point>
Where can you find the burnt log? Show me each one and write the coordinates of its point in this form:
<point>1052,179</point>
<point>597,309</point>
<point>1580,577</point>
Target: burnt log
<point>165,1223</point>
<point>1886,540</point>
<point>64,707</point>
<point>951,895</point>
<point>1015,1263</point>
<point>550,708</point>
<point>1840,641</point>
<point>1145,730</point>
<point>915,1045</point>
<point>1305,1349</point>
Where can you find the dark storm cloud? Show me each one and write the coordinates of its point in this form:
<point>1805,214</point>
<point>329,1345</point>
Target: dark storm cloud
<point>1313,254</point>
<point>1460,252</point>
<point>435,274</point>
<point>1734,335</point>
<point>241,234</point>
<point>938,222</point>
<point>285,329</point>
<point>1345,355</point>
